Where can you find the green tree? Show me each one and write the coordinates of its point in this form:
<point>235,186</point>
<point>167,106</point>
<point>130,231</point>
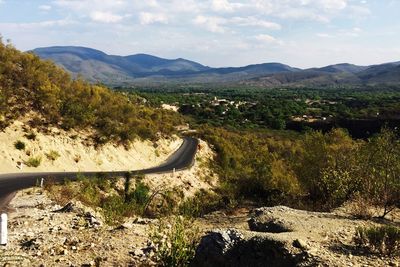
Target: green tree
<point>381,170</point>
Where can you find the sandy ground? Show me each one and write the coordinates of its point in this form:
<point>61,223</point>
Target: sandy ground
<point>38,235</point>
<point>74,152</point>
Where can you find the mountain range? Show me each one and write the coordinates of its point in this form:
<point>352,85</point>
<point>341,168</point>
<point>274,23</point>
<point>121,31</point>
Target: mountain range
<point>97,66</point>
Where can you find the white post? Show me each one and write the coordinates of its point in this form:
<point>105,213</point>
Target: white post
<point>41,182</point>
<point>173,172</point>
<point>3,229</point>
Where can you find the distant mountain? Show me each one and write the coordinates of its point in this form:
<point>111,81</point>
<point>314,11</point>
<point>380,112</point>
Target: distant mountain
<point>96,66</point>
<point>334,75</point>
<point>344,67</point>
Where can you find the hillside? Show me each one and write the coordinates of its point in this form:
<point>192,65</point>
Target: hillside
<point>333,75</point>
<point>31,85</point>
<point>96,66</point>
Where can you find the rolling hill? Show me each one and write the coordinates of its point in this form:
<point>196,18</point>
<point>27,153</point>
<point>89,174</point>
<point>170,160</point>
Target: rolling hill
<point>96,66</point>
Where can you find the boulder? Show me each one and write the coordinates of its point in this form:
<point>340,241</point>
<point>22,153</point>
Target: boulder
<point>233,248</point>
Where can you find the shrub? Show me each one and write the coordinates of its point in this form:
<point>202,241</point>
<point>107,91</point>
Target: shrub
<point>327,168</point>
<point>19,145</point>
<point>380,165</point>
<point>52,155</point>
<point>77,158</point>
<point>175,241</point>
<point>248,165</point>
<point>30,136</point>
<point>33,162</point>
<point>200,204</point>
<point>383,239</point>
<point>140,195</point>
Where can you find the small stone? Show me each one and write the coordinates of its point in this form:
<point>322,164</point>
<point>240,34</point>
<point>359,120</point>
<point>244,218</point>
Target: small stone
<point>301,244</point>
<point>137,252</point>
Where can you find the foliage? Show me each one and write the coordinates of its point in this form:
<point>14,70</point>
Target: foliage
<point>382,239</point>
<point>30,136</point>
<point>52,155</point>
<point>19,145</point>
<point>175,241</point>
<point>362,111</point>
<point>28,83</point>
<point>327,167</point>
<point>102,192</point>
<point>380,161</point>
<point>250,165</point>
<point>200,204</point>
<point>33,161</point>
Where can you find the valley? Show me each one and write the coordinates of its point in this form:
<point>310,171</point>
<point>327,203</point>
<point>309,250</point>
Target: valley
<point>180,164</point>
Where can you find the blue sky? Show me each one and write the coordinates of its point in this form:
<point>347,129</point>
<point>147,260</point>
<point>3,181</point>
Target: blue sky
<point>301,33</point>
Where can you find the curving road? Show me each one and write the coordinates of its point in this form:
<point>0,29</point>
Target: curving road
<point>11,183</point>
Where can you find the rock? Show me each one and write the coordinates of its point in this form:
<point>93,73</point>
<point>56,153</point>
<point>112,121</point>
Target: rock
<point>142,221</point>
<point>31,244</point>
<point>137,252</point>
<point>267,222</point>
<point>124,226</point>
<point>301,244</point>
<point>233,248</point>
<point>67,208</point>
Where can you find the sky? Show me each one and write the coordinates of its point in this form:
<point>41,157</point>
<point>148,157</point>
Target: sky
<point>216,33</point>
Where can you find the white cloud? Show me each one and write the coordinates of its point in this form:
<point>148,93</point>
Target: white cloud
<point>266,38</point>
<point>89,5</point>
<point>146,18</point>
<point>224,5</point>
<point>213,24</point>
<point>45,7</point>
<point>325,35</point>
<point>333,4</point>
<point>41,24</point>
<point>251,21</point>
<point>105,17</point>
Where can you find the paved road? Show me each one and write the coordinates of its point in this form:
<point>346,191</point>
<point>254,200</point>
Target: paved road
<point>10,183</point>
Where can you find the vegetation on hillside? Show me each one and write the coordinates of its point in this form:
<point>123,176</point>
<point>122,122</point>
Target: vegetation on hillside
<point>28,84</point>
<point>318,171</point>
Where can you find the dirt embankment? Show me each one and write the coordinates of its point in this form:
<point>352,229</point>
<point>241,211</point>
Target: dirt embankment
<point>59,150</point>
<point>39,236</point>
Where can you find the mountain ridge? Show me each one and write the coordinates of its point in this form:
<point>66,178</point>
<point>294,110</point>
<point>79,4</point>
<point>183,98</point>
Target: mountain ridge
<point>97,66</point>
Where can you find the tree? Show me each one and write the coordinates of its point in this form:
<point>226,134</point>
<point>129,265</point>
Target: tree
<point>381,170</point>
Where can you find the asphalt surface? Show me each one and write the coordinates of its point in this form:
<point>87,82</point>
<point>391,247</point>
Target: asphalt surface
<point>10,183</point>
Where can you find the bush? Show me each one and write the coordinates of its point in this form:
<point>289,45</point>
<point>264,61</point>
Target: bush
<point>19,145</point>
<point>380,165</point>
<point>30,136</point>
<point>249,166</point>
<point>52,155</point>
<point>200,204</point>
<point>115,206</point>
<point>327,168</point>
<point>175,241</point>
<point>383,239</point>
<point>33,162</point>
